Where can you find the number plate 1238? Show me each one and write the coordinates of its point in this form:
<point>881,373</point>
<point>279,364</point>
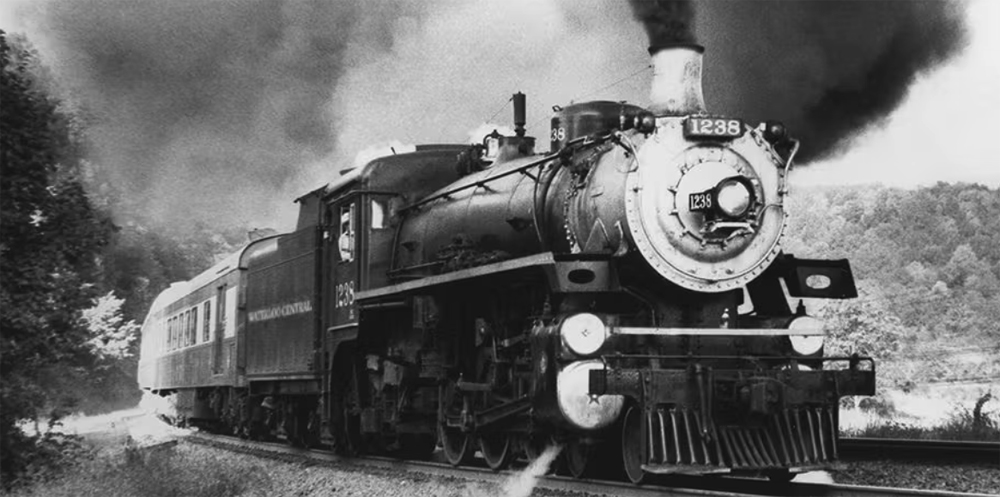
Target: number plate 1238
<point>700,201</point>
<point>713,127</point>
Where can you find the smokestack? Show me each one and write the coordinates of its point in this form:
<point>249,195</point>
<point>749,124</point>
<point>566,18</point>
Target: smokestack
<point>676,87</point>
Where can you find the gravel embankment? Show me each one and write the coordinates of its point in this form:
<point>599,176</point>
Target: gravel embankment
<point>279,478</point>
<point>197,470</point>
<point>921,475</point>
<point>140,456</point>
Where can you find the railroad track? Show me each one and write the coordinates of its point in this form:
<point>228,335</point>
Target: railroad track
<point>935,450</point>
<point>680,486</point>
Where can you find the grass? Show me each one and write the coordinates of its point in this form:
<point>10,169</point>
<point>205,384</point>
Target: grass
<point>159,471</point>
<point>976,423</point>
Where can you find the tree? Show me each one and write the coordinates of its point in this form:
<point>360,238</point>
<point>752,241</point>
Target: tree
<point>111,336</point>
<point>864,325</point>
<point>928,269</point>
<point>49,241</point>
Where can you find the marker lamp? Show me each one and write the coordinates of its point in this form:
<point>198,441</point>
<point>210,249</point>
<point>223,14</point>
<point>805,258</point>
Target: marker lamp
<point>584,333</point>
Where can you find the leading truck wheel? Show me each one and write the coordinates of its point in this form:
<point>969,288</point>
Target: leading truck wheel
<point>536,445</point>
<point>633,445</point>
<point>577,457</point>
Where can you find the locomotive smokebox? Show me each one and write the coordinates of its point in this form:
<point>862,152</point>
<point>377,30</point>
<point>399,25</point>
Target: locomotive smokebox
<point>677,80</point>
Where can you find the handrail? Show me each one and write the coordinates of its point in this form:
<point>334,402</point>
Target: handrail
<point>584,140</point>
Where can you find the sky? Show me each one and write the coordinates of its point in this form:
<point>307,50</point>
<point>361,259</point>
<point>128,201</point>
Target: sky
<point>224,111</point>
<point>947,129</point>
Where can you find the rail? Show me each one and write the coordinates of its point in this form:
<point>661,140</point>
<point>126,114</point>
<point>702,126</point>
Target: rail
<point>678,486</point>
<point>864,448</point>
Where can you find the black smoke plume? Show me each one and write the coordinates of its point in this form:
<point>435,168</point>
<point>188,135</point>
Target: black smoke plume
<point>208,110</point>
<point>666,21</point>
<point>223,111</point>
<point>828,69</point>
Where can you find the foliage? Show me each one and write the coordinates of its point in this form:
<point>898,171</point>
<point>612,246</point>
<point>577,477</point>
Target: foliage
<point>976,423</point>
<point>49,241</point>
<point>863,325</point>
<point>928,272</point>
<point>49,456</point>
<point>143,258</point>
<point>166,470</point>
<point>68,339</point>
<point>110,335</point>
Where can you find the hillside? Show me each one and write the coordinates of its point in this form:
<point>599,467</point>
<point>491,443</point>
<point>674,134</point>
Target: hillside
<point>927,264</point>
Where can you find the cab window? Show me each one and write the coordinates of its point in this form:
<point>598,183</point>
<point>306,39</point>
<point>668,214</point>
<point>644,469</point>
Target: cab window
<point>378,215</point>
<point>346,240</point>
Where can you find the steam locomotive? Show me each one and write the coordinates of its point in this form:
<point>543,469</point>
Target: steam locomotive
<point>624,295</point>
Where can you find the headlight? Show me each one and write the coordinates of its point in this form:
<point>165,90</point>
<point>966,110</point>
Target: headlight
<point>733,197</point>
<point>584,333</point>
<point>806,344</point>
<point>575,402</point>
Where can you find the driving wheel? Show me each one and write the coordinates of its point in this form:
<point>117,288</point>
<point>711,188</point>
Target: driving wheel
<point>496,449</point>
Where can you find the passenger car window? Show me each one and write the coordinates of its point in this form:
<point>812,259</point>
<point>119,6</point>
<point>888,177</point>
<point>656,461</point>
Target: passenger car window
<point>205,334</point>
<point>194,324</point>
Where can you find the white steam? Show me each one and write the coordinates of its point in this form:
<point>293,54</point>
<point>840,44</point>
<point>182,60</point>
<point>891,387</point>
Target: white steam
<point>458,64</point>
<point>373,152</point>
<point>523,482</point>
<point>823,477</point>
<point>477,135</point>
